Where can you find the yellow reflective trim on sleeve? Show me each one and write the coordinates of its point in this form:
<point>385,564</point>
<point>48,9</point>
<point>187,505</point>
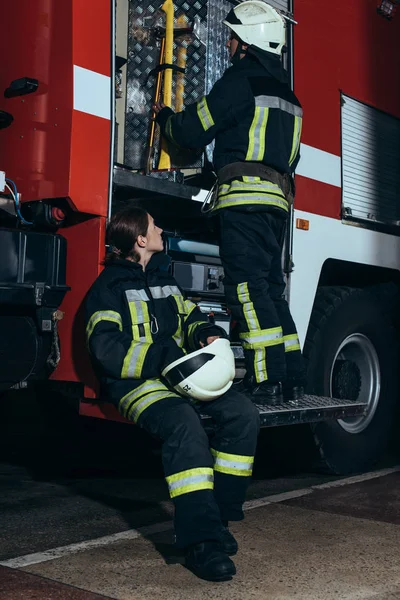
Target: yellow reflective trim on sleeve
<point>298,124</point>
<point>191,329</point>
<point>168,131</point>
<point>204,114</point>
<point>103,315</point>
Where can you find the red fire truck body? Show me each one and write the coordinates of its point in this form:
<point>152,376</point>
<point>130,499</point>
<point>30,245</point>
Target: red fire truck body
<point>342,255</point>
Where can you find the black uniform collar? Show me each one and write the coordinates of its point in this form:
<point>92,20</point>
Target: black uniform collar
<point>157,261</point>
<point>269,62</point>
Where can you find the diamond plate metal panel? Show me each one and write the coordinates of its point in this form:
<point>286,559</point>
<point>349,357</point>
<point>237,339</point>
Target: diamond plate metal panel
<point>310,409</point>
<point>143,56</point>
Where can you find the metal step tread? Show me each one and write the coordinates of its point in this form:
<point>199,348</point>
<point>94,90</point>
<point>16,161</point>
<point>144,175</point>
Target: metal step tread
<point>309,409</point>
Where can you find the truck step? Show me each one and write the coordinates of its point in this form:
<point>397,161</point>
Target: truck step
<point>309,409</point>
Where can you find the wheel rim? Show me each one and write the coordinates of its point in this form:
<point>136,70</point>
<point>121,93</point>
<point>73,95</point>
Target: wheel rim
<point>359,361</point>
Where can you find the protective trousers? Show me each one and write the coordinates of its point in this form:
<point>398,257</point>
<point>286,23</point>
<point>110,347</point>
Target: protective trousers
<point>251,253</point>
<point>207,484</point>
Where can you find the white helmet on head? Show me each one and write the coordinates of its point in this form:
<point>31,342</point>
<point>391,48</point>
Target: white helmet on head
<point>205,374</point>
<point>258,24</point>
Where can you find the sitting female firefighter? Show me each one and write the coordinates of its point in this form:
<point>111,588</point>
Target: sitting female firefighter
<point>138,323</point>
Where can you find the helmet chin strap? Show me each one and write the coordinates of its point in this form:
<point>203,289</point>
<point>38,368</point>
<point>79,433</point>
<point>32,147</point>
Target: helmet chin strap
<point>239,50</point>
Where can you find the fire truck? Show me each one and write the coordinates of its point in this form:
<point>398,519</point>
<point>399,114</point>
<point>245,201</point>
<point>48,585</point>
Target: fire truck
<point>77,143</point>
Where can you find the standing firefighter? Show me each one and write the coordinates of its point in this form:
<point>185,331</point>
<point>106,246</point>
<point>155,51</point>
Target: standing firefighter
<point>138,324</point>
<point>256,122</point>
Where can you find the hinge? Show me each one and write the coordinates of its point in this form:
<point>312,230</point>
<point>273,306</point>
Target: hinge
<point>39,292</point>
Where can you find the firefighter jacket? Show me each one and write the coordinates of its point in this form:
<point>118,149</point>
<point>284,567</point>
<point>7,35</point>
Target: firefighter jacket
<point>253,116</point>
<point>138,322</point>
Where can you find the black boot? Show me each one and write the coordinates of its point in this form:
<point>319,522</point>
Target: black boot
<point>267,392</point>
<point>209,562</point>
<point>292,392</point>
<point>229,544</point>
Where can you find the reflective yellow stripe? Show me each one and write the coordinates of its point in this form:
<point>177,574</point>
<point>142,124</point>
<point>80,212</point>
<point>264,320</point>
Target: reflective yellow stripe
<point>191,330</point>
<point>244,199</point>
<point>204,114</point>
<point>298,123</point>
<point>261,338</point>
<point>256,148</point>
<point>140,315</point>
<point>262,186</point>
<point>134,360</point>
<point>168,131</point>
<point>135,402</point>
<point>260,365</point>
<point>248,179</point>
<point>103,315</point>
<point>291,342</point>
<point>189,307</point>
<point>180,303</point>
<point>136,355</point>
<point>233,464</point>
<point>243,295</point>
<point>191,480</point>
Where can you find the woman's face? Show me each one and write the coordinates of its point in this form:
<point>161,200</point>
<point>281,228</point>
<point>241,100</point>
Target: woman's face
<point>154,241</point>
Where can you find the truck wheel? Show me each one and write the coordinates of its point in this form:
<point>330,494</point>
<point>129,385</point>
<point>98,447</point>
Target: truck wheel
<point>352,352</point>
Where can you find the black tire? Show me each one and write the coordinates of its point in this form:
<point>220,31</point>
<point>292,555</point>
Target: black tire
<point>338,313</point>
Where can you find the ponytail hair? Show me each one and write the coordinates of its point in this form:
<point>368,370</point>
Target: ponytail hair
<point>123,230</point>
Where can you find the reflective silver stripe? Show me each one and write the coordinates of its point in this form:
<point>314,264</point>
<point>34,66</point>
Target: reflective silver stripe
<point>248,306</point>
<point>293,343</point>
<point>256,148</point>
<point>163,292</point>
<point>256,186</point>
<point>230,200</point>
<point>139,315</point>
<point>276,336</point>
<point>204,114</point>
<point>275,102</point>
<point>146,402</point>
<point>189,481</point>
<point>140,391</point>
<point>139,352</point>
<point>103,315</point>
<point>260,365</point>
<point>234,464</point>
<point>133,295</point>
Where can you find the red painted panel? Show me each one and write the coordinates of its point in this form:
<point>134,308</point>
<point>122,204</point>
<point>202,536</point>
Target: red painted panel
<point>318,198</point>
<point>34,150</point>
<point>86,243</point>
<point>90,163</point>
<point>92,35</point>
<point>344,46</point>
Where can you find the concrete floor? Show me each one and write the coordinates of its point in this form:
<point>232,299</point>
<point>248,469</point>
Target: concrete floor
<point>330,544</point>
<point>339,543</point>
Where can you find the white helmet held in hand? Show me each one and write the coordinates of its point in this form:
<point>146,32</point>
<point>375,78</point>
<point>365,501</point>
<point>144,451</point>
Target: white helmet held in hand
<point>205,374</point>
<point>258,24</point>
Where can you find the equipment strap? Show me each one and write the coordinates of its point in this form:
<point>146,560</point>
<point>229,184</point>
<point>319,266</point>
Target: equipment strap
<point>253,169</point>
